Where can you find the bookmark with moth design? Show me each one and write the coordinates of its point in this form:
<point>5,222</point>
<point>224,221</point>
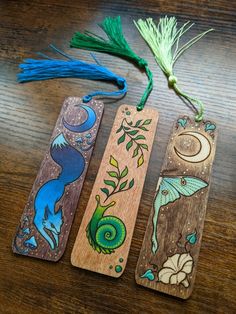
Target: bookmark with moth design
<point>171,245</point>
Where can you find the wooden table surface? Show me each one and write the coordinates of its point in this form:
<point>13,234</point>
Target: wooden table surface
<point>28,116</point>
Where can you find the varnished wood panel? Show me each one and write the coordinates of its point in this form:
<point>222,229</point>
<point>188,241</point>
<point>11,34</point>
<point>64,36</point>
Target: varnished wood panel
<point>169,255</point>
<point>103,241</point>
<point>48,215</point>
<point>28,114</point>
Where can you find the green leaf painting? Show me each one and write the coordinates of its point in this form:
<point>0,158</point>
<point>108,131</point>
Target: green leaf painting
<point>129,145</point>
<point>113,174</point>
<point>124,172</point>
<point>118,181</point>
<point>123,185</point>
<point>131,131</point>
<point>121,139</point>
<point>148,121</point>
<point>110,183</point>
<point>106,191</point>
<point>131,184</point>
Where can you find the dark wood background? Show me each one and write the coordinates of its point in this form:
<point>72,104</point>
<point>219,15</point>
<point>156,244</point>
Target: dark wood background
<point>28,115</point>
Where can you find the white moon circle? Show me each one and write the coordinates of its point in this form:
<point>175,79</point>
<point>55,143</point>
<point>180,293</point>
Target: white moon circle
<point>204,151</point>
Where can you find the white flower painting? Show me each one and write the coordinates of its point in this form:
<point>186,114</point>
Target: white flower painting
<point>175,269</point>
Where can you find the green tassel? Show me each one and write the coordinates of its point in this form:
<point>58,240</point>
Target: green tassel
<point>163,40</point>
<point>116,44</point>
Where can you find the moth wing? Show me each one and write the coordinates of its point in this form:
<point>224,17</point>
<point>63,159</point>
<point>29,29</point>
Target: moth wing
<point>186,186</point>
<point>166,194</point>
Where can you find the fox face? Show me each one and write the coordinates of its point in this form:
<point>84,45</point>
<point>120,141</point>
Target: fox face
<point>53,223</point>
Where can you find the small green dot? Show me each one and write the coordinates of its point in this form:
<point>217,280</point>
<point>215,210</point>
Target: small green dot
<point>128,113</point>
<point>118,268</point>
<point>121,260</point>
<point>110,266</point>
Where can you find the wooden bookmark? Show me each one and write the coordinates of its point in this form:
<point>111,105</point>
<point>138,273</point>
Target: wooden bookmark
<point>104,238</point>
<point>171,245</point>
<point>48,215</point>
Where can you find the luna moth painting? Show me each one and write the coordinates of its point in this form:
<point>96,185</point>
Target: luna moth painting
<point>170,189</point>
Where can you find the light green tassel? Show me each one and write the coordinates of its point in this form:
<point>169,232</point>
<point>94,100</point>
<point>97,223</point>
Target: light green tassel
<point>163,40</point>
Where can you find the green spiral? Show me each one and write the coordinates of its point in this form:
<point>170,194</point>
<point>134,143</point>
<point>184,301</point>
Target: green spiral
<point>110,233</point>
<point>105,233</point>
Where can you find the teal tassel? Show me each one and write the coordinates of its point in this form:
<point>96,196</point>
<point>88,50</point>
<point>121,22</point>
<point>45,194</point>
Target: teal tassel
<point>48,68</point>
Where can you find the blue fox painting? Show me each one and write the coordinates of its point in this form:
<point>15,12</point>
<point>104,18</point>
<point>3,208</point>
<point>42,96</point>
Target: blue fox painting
<point>72,165</point>
<point>47,220</point>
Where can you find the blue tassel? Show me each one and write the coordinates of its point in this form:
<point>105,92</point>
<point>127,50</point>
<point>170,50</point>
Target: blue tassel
<point>48,68</point>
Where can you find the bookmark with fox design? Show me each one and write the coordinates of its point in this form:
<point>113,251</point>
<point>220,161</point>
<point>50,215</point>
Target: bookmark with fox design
<point>48,215</point>
<point>104,238</point>
<point>170,250</point>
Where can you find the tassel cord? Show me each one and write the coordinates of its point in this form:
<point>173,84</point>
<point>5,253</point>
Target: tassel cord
<point>147,91</point>
<point>163,40</point>
<point>116,44</point>
<point>199,112</point>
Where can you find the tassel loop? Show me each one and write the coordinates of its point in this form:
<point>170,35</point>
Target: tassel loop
<point>142,63</point>
<point>120,81</point>
<point>87,98</point>
<point>172,80</point>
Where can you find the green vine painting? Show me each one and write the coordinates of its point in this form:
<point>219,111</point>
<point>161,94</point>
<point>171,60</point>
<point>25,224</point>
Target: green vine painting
<point>106,233</point>
<point>131,132</point>
<point>118,183</point>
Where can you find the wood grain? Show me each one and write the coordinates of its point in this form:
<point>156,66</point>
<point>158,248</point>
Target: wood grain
<point>170,250</point>
<point>48,215</point>
<point>28,114</point>
<point>103,241</point>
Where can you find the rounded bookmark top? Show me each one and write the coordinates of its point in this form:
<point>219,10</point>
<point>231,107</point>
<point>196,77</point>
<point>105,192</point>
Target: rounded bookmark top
<point>163,40</point>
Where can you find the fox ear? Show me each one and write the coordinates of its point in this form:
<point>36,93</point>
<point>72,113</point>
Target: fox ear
<point>46,213</point>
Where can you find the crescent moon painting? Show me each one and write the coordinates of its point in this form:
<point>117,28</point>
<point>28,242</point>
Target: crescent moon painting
<point>203,152</point>
<point>86,125</point>
<point>48,215</point>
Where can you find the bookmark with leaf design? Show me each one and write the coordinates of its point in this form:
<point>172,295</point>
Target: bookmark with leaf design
<point>104,238</point>
<point>170,249</point>
<point>48,215</point>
